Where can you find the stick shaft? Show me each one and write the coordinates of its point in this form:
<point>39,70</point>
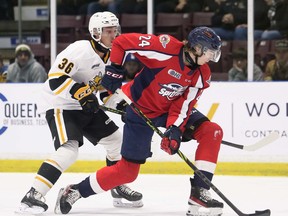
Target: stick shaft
<point>232,144</point>
<point>120,112</point>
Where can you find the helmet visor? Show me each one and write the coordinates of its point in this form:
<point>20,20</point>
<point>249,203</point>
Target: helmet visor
<point>212,55</point>
<point>119,32</point>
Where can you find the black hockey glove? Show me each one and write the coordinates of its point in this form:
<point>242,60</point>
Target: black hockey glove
<point>112,79</point>
<point>86,98</point>
<point>122,106</point>
<point>171,141</point>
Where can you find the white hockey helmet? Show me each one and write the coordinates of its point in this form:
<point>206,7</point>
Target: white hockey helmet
<point>100,20</point>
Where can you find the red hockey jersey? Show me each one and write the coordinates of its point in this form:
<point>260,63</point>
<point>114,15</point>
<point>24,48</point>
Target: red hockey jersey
<point>166,84</point>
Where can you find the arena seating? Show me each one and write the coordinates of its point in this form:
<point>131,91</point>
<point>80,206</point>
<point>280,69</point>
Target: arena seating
<point>71,28</point>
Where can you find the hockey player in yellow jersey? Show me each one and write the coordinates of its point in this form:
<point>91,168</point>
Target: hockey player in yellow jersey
<point>72,112</point>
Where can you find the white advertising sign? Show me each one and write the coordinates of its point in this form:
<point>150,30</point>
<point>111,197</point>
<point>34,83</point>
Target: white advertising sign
<point>246,111</point>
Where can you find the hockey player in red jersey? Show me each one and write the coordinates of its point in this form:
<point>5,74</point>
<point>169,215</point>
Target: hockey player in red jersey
<point>166,90</point>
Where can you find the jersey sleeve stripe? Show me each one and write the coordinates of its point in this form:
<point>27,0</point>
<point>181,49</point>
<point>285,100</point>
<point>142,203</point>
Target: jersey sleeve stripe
<point>56,75</point>
<point>192,94</point>
<point>63,87</point>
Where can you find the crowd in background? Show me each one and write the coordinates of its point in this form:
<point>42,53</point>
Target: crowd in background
<point>25,68</point>
<point>229,22</point>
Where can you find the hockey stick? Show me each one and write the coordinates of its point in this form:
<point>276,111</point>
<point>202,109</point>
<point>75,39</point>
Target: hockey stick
<point>148,121</point>
<point>253,147</point>
<point>120,112</point>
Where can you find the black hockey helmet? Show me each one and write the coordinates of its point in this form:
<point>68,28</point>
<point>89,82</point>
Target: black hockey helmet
<point>207,40</point>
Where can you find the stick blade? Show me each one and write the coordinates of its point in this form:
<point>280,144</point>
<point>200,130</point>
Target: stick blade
<point>266,212</point>
<point>265,141</point>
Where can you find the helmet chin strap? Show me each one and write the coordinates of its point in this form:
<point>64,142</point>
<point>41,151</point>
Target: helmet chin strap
<point>193,65</point>
<point>100,46</point>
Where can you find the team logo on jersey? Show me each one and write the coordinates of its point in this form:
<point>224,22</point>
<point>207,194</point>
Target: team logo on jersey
<point>174,73</point>
<point>95,84</point>
<point>164,40</point>
<point>171,90</point>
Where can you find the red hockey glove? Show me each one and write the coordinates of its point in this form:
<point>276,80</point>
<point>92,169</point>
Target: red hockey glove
<point>86,98</point>
<point>112,79</point>
<point>171,141</point>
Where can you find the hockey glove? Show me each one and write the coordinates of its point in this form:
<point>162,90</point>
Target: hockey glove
<point>114,101</point>
<point>112,79</point>
<point>122,106</point>
<point>170,143</point>
<point>86,98</point>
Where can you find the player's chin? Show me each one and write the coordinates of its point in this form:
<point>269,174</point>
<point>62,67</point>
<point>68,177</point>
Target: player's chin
<point>202,62</point>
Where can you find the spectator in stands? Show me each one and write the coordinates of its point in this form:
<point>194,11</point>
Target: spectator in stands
<point>229,15</point>
<point>25,68</point>
<point>278,15</point>
<point>239,70</point>
<point>132,66</point>
<point>140,6</point>
<point>103,5</point>
<point>179,6</point>
<point>211,5</point>
<point>261,22</point>
<point>82,6</point>
<point>277,69</point>
<point>66,7</point>
<point>119,6</point>
<point>132,6</point>
<point>6,10</point>
<point>3,70</point>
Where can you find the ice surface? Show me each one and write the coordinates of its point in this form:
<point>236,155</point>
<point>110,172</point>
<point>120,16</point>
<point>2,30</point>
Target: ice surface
<point>164,195</point>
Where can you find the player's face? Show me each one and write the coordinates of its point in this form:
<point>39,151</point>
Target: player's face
<point>108,35</point>
<point>204,58</point>
<point>206,55</point>
<point>212,55</point>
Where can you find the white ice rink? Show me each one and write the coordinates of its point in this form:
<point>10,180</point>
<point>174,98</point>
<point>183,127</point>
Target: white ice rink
<point>164,195</point>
